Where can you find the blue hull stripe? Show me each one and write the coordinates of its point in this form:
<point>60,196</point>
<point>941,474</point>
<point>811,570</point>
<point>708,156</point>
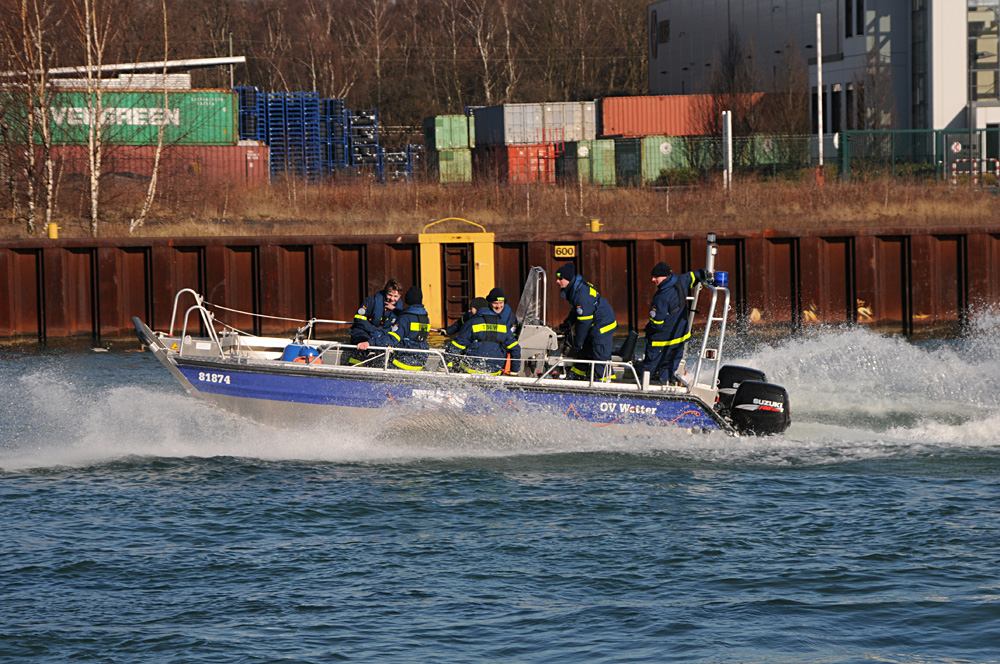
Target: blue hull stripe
<point>334,391</point>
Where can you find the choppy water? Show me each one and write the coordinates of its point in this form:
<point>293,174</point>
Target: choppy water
<point>140,525</point>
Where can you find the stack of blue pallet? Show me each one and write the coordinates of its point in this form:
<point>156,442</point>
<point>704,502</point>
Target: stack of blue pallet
<point>293,128</point>
<point>253,113</point>
<point>365,152</point>
<point>397,164</point>
<point>333,135</point>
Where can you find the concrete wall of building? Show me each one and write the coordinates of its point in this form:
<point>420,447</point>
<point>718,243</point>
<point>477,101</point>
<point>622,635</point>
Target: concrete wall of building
<point>698,31</point>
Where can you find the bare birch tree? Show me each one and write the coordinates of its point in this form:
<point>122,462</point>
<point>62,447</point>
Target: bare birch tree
<point>98,24</point>
<point>29,42</point>
<point>136,222</point>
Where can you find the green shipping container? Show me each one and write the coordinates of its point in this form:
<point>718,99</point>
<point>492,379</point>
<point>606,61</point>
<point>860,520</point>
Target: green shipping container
<point>589,162</point>
<point>448,166</point>
<point>191,117</point>
<point>449,132</point>
<point>640,161</point>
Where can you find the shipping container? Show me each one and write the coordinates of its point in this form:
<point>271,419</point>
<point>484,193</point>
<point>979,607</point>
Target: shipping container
<point>587,162</point>
<point>447,166</point>
<point>640,161</point>
<point>179,164</point>
<point>535,124</point>
<point>449,132</point>
<point>515,164</point>
<point>195,117</point>
<point>669,115</point>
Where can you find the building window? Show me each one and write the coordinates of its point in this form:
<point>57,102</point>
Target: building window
<point>663,32</point>
<point>849,18</point>
<point>849,104</point>
<point>835,109</point>
<point>859,15</point>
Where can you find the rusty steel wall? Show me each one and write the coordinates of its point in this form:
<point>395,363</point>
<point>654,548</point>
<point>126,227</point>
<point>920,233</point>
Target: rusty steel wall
<point>898,280</point>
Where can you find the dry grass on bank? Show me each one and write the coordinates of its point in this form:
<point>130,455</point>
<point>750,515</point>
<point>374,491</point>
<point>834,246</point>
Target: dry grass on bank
<point>290,208</point>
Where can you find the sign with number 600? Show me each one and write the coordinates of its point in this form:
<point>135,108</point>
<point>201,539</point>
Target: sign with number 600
<point>565,251</point>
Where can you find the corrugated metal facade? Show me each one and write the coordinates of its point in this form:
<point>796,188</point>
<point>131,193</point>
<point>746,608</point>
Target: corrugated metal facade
<point>588,162</point>
<point>532,124</point>
<point>896,279</point>
<point>191,117</point>
<point>448,166</point>
<point>515,164</point>
<point>671,115</point>
<point>449,132</point>
<point>238,164</point>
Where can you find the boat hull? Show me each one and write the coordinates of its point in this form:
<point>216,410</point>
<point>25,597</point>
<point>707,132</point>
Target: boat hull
<point>293,393</point>
<point>258,390</point>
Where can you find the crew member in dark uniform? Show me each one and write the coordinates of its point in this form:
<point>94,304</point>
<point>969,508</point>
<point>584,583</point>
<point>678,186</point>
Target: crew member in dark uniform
<point>410,331</point>
<point>591,319</point>
<point>456,327</point>
<point>376,315</point>
<point>498,303</point>
<point>667,329</point>
<point>484,344</point>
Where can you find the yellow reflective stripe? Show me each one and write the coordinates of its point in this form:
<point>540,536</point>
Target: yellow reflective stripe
<point>408,367</point>
<point>657,322</point>
<point>578,371</point>
<point>593,291</point>
<point>457,345</point>
<point>512,345</point>
<point>353,361</point>
<point>489,327</point>
<point>361,316</point>
<point>585,317</point>
<point>394,335</point>
<point>419,327</point>
<point>468,369</point>
<point>672,342</point>
<point>606,328</point>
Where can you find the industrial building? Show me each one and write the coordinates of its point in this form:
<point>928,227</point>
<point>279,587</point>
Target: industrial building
<point>886,64</point>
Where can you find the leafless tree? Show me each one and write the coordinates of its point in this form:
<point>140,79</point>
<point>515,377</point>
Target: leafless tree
<point>136,222</point>
<point>98,24</point>
<point>876,102</point>
<point>29,40</point>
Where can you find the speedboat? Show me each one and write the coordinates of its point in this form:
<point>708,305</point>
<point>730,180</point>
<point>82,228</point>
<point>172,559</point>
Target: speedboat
<point>296,379</point>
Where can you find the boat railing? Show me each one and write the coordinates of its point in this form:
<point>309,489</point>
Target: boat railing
<point>207,319</point>
<point>713,337</point>
<point>611,370</point>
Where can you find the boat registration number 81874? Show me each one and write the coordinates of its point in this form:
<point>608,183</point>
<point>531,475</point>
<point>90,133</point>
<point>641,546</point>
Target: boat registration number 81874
<point>208,377</point>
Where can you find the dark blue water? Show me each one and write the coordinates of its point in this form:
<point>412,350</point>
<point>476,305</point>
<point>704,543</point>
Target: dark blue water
<point>140,525</point>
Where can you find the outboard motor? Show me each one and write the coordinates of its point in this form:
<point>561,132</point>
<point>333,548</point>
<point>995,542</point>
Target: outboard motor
<point>730,377</point>
<point>760,408</point>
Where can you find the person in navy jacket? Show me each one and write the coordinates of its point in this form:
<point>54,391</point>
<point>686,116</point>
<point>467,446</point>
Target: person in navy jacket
<point>591,319</point>
<point>498,303</point>
<point>375,315</point>
<point>667,330</point>
<point>484,343</point>
<point>410,331</point>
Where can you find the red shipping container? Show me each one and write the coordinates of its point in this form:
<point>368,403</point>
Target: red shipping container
<point>245,165</point>
<point>515,164</point>
<point>655,115</point>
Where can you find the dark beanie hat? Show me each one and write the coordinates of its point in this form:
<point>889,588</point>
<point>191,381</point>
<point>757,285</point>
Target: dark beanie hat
<point>567,272</point>
<point>661,269</point>
<point>413,296</point>
<point>479,303</point>
<point>495,294</point>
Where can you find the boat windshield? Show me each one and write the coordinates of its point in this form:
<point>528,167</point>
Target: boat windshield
<point>531,307</point>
